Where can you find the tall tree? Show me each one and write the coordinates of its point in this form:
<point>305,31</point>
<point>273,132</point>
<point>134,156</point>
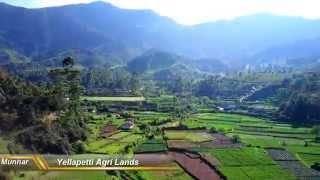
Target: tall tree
<point>135,84</point>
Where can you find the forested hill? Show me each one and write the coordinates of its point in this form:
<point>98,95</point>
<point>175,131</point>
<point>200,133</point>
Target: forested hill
<point>31,117</point>
<point>121,33</point>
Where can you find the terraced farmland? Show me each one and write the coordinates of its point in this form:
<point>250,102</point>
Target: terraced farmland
<point>193,136</point>
<point>245,160</point>
<point>289,162</point>
<point>154,145</point>
<point>255,132</point>
<point>248,163</point>
<point>116,143</point>
<point>309,158</point>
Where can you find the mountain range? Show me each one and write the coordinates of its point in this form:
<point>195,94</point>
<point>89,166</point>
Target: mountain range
<point>105,34</point>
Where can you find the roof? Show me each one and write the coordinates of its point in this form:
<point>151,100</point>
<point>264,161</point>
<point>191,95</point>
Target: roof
<point>127,125</point>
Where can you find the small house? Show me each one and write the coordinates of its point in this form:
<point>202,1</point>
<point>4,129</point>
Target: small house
<point>128,125</point>
<point>227,107</point>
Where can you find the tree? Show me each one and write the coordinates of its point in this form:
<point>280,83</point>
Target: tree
<point>179,85</point>
<point>213,130</point>
<point>182,107</point>
<point>135,84</point>
<point>235,139</point>
<point>68,62</point>
<point>316,130</point>
<point>316,166</point>
<point>67,90</point>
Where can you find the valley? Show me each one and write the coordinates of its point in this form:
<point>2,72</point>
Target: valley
<point>232,126</point>
<point>234,146</point>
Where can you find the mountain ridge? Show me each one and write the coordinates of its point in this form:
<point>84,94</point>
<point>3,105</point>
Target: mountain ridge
<point>90,26</point>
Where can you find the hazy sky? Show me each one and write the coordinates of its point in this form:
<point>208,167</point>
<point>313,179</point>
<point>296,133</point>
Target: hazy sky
<point>199,11</point>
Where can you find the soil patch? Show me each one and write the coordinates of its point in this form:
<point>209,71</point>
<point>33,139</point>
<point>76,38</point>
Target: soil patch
<point>195,166</point>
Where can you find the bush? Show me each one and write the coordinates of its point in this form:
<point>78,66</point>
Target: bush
<point>316,166</point>
<point>78,147</point>
<point>43,140</point>
<point>150,136</point>
<point>235,139</point>
<point>213,130</point>
<point>284,143</point>
<point>222,130</point>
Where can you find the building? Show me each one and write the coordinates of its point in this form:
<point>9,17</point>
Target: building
<point>128,125</point>
<point>227,107</point>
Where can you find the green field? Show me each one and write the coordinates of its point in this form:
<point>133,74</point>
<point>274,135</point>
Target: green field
<point>273,172</point>
<point>114,144</point>
<point>165,175</point>
<point>120,135</point>
<point>178,174</point>
<point>251,128</point>
<point>60,175</point>
<point>188,136</point>
<point>309,159</point>
<point>248,163</point>
<point>227,122</point>
<point>113,99</point>
<point>154,145</point>
<point>242,156</point>
<point>164,99</point>
<point>150,117</point>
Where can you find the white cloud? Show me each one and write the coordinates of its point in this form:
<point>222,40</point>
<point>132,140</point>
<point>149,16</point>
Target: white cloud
<point>198,11</point>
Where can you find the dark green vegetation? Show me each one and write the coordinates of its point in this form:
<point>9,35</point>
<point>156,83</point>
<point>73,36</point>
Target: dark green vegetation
<point>43,119</point>
<point>151,145</point>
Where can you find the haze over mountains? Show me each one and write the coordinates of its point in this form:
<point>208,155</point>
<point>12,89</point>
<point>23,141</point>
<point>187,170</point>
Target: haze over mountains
<point>114,35</point>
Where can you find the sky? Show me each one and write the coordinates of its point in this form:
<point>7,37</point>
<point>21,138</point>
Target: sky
<point>191,12</point>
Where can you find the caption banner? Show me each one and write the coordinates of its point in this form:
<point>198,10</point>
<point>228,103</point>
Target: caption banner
<point>83,162</point>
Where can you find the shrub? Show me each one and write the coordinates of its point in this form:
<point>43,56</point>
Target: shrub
<point>284,143</point>
<point>213,130</point>
<point>316,166</point>
<point>235,139</point>
<point>78,147</point>
<point>222,130</point>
